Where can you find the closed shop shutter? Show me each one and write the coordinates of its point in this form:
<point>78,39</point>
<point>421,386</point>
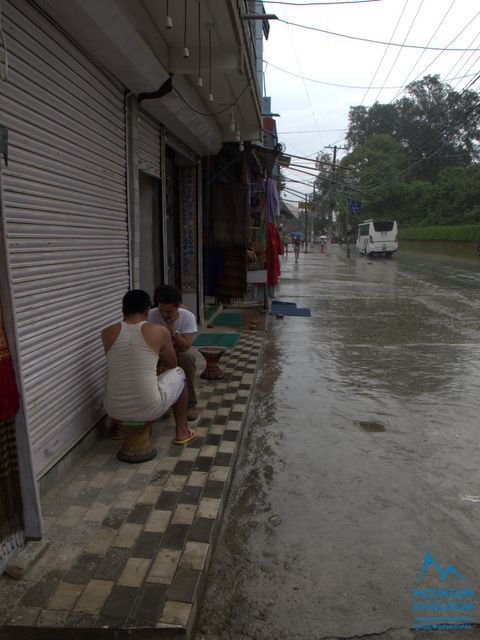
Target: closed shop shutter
<point>149,145</point>
<point>66,209</point>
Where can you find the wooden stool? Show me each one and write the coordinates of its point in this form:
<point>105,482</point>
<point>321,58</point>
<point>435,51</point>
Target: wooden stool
<point>212,357</point>
<point>136,446</point>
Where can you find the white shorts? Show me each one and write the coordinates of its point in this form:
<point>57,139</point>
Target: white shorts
<point>171,384</point>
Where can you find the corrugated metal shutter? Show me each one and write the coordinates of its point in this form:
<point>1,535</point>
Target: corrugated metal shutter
<point>149,145</point>
<point>66,207</point>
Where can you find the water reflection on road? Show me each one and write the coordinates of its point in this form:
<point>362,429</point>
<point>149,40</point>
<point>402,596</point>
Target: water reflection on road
<point>328,523</point>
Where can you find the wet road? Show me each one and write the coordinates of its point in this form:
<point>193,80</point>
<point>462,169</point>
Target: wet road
<point>361,454</point>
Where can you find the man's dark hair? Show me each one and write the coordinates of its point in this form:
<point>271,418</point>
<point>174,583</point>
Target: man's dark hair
<point>135,301</point>
<point>167,294</point>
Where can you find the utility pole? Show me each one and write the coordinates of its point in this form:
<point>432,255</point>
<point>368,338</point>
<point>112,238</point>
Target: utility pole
<point>334,169</point>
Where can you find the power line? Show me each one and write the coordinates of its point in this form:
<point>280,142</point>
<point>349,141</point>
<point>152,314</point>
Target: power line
<point>285,133</point>
<point>309,4</point>
<point>436,57</point>
<point>385,52</point>
<point>423,52</point>
<point>400,50</point>
<point>305,87</point>
<point>470,112</point>
<point>343,86</point>
<point>392,44</point>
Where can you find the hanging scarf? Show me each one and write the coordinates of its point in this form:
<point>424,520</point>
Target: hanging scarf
<point>9,399</point>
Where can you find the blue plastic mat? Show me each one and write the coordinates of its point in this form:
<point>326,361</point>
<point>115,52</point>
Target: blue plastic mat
<point>275,302</point>
<point>288,310</point>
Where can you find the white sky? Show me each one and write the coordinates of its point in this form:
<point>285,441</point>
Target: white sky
<point>311,107</point>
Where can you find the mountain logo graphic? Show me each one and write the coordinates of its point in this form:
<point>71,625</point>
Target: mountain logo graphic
<point>450,570</point>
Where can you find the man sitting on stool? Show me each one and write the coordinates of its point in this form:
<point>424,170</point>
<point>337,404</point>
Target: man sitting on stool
<point>132,348</point>
<point>182,326</point>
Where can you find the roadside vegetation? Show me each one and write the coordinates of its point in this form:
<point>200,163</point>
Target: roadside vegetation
<point>416,160</point>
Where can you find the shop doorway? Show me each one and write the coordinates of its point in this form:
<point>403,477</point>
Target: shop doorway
<point>151,239</point>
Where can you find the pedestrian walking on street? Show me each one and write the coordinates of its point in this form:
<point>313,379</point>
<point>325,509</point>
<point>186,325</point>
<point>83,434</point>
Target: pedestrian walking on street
<point>296,247</point>
<point>323,242</point>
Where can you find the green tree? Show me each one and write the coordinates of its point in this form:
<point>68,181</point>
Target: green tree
<point>437,126</point>
<point>374,175</point>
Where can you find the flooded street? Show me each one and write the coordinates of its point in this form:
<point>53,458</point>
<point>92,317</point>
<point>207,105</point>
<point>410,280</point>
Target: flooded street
<point>360,457</point>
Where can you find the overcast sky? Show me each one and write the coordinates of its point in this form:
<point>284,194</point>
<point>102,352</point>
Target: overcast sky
<point>317,109</point>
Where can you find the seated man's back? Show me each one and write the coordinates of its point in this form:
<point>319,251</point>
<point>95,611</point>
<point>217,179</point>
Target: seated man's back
<point>132,388</point>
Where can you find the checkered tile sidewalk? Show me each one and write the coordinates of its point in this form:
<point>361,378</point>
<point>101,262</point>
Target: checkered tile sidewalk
<point>129,545</point>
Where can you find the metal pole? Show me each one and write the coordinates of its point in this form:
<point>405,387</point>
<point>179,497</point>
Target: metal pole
<point>306,227</point>
<point>346,232</point>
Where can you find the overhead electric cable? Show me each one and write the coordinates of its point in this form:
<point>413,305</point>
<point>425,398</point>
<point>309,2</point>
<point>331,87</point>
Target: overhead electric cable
<point>215,113</point>
<point>343,86</point>
<point>385,52</point>
<point>371,41</point>
<point>309,4</point>
<point>404,83</point>
<point>473,112</point>
<point>400,50</point>
<point>446,49</point>
<point>285,133</point>
<point>305,87</point>
<point>465,63</point>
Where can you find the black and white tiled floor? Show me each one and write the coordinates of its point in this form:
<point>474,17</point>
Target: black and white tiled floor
<point>129,545</point>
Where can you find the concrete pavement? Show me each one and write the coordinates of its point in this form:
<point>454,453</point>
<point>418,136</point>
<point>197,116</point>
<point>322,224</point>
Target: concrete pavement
<point>129,545</point>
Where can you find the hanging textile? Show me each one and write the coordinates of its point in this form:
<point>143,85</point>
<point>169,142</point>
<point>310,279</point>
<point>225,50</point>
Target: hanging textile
<point>233,283</point>
<point>10,493</point>
<point>273,201</point>
<point>230,214</point>
<point>9,400</point>
<point>274,250</point>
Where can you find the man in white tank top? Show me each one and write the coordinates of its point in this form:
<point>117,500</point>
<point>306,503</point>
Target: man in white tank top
<point>132,348</point>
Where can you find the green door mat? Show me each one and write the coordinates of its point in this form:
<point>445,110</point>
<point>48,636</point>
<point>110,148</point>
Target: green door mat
<point>216,340</point>
<point>228,320</point>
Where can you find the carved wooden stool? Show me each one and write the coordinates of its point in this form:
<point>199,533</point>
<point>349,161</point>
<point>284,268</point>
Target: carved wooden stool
<point>212,357</point>
<point>136,446</point>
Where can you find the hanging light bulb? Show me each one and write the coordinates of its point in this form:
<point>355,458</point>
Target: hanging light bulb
<point>241,146</point>
<point>186,52</point>
<point>199,76</point>
<point>168,20</point>
<point>210,94</point>
<point>238,136</point>
<point>232,122</point>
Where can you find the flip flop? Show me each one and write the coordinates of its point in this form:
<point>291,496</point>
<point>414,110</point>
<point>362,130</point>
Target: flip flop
<point>191,436</point>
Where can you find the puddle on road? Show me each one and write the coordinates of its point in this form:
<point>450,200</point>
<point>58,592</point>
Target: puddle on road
<point>371,427</point>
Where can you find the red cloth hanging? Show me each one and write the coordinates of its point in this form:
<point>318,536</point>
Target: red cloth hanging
<point>9,398</point>
<point>274,249</point>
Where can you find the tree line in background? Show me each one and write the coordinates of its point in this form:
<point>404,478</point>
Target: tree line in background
<point>415,159</point>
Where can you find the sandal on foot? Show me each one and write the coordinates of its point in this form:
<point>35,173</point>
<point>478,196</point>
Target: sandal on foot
<point>191,436</point>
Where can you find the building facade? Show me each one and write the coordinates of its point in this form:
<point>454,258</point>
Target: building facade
<point>107,113</point>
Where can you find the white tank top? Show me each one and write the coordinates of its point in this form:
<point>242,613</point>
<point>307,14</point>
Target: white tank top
<point>132,387</point>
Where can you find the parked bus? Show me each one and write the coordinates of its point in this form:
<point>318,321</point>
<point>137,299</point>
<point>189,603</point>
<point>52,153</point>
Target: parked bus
<point>377,238</point>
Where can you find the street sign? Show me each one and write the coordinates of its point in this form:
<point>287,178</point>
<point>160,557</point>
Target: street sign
<point>355,206</point>
<point>305,205</point>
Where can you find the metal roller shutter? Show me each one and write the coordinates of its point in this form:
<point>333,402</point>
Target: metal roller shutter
<point>149,145</point>
<point>66,209</point>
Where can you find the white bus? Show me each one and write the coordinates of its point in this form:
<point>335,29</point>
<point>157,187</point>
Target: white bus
<point>377,238</point>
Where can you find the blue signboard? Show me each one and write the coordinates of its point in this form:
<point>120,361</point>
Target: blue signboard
<point>355,206</point>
